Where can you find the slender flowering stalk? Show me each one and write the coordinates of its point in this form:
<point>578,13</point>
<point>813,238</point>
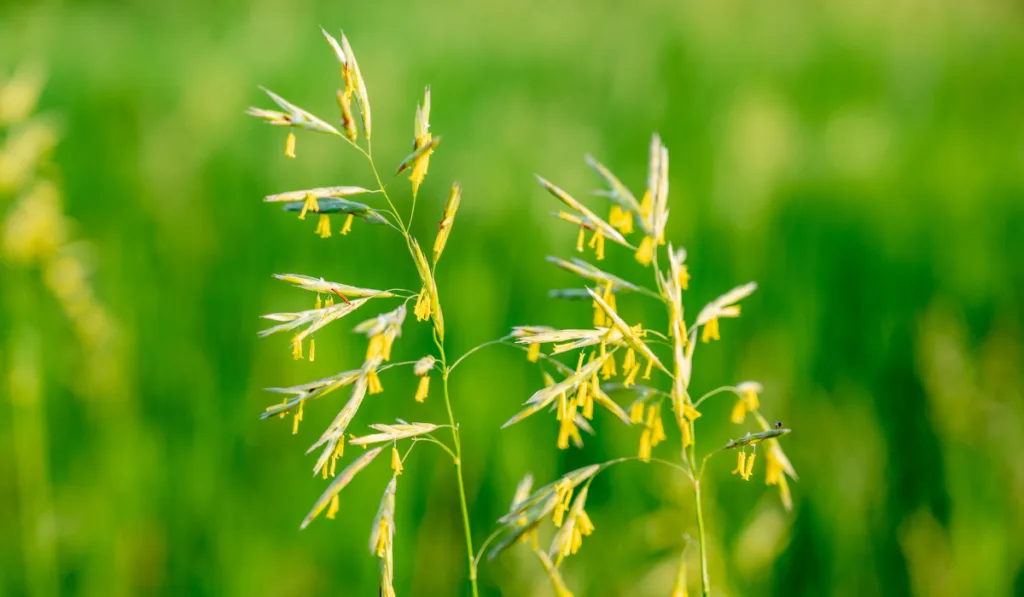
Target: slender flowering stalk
<point>655,381</point>
<point>335,301</point>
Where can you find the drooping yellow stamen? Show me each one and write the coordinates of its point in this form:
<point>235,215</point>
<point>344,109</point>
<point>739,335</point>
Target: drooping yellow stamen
<point>684,278</point>
<point>629,361</point>
<point>297,419</point>
<point>608,368</point>
<point>652,413</point>
<point>329,301</point>
<point>347,226</point>
<point>562,507</point>
<point>339,451</point>
<point>741,463</point>
<point>636,412</point>
<point>296,348</point>
<point>690,412</point>
<point>533,353</point>
<point>710,331</point>
<point>396,460</point>
<point>645,446</point>
<point>310,204</point>
<point>645,252</point>
<point>630,379</point>
<point>658,431</point>
<point>687,434</point>
<point>647,371</point>
<point>621,219</point>
<point>599,316</point>
<point>373,382</point>
<point>567,428</point>
<point>423,388</point>
<point>323,226</point>
<point>585,399</point>
<point>318,303</point>
<point>609,296</point>
<point>333,508</point>
<point>580,238</point>
<point>289,145</point>
<point>422,309</point>
<point>312,350</point>
<point>597,243</point>
<point>750,467</point>
<point>584,523</point>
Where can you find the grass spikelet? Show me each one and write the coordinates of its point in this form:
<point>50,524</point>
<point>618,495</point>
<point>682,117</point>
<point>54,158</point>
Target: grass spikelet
<point>570,535</point>
<point>293,116</point>
<point>323,286</point>
<point>447,220</point>
<point>339,483</point>
<point>585,216</point>
<point>421,138</point>
<point>598,276</point>
<point>392,433</point>
<point>339,53</point>
<point>545,396</point>
<point>333,438</point>
<point>428,304</point>
<point>359,85</point>
<point>629,334</point>
<point>319,193</point>
<point>310,391</point>
<point>382,538</point>
<point>313,319</point>
<point>420,152</point>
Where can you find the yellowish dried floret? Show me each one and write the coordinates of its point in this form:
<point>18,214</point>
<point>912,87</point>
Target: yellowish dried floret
<point>422,388</point>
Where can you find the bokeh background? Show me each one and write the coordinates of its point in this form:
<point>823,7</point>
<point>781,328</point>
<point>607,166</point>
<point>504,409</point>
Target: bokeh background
<point>863,160</point>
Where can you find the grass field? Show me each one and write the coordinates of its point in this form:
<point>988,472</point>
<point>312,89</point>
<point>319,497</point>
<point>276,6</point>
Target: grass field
<point>862,160</point>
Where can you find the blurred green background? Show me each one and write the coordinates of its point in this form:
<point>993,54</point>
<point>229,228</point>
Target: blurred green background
<point>863,160</point>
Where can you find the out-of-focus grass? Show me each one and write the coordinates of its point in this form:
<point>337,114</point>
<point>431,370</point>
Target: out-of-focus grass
<point>861,160</point>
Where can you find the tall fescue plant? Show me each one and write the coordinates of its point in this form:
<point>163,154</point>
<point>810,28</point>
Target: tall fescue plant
<point>337,300</point>
<point>610,359</point>
<point>650,368</point>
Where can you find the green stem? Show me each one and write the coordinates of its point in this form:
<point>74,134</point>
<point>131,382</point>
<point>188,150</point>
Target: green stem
<point>715,392</point>
<point>458,472</point>
<point>404,229</point>
<point>705,582</point>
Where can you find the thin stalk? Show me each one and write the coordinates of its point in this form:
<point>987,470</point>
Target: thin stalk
<point>478,347</point>
<point>705,582</point>
<point>457,457</point>
<point>714,392</point>
<point>458,472</point>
